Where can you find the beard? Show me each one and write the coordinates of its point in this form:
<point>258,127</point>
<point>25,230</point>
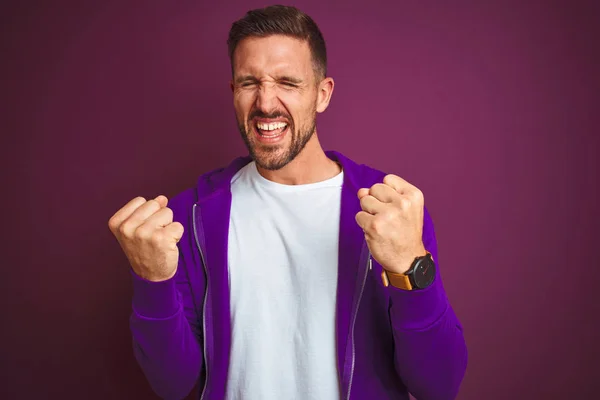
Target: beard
<point>273,158</point>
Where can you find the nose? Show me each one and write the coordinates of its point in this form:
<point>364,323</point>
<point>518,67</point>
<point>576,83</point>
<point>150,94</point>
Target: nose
<point>266,98</point>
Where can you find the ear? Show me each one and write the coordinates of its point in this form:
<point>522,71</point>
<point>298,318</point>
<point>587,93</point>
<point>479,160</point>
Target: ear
<point>324,96</point>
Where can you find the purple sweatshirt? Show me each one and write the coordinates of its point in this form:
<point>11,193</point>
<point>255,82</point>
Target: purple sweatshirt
<point>389,341</point>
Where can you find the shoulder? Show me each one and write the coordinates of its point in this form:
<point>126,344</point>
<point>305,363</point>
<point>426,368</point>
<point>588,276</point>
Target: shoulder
<point>207,184</point>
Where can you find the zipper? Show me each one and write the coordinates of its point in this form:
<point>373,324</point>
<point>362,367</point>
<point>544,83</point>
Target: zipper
<point>362,287</point>
<point>204,303</point>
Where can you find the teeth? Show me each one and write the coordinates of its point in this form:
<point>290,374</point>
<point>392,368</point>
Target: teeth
<point>271,126</point>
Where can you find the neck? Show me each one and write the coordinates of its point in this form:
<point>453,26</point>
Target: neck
<point>310,166</point>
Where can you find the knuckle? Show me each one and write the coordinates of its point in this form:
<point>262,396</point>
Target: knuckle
<point>378,186</point>
<point>363,201</point>
<point>143,232</point>
<point>112,225</point>
<point>377,225</point>
<point>389,178</point>
<point>153,204</point>
<point>418,195</point>
<point>156,237</point>
<point>123,229</point>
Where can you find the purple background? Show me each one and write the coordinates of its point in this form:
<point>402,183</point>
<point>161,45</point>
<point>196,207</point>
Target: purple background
<point>491,109</point>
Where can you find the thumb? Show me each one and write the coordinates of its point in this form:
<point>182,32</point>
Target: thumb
<point>174,230</point>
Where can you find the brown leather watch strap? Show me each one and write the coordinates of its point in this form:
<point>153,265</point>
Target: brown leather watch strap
<point>399,281</point>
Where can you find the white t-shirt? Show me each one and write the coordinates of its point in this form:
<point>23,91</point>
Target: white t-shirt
<point>283,257</point>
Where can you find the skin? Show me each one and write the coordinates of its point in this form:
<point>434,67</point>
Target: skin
<point>274,77</point>
<point>392,219</point>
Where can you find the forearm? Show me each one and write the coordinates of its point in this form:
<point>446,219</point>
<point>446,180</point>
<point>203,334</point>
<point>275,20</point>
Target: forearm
<point>430,349</point>
<point>165,345</point>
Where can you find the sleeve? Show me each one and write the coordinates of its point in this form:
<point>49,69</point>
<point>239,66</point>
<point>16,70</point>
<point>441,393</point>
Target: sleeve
<point>167,331</point>
<point>430,351</point>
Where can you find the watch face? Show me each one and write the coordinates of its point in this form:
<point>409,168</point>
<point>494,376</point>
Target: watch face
<point>424,273</point>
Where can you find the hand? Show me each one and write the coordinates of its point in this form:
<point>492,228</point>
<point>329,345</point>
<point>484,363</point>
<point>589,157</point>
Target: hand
<point>392,219</point>
<point>148,236</point>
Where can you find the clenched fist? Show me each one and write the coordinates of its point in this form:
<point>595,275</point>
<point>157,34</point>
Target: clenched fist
<point>392,219</point>
<point>148,236</point>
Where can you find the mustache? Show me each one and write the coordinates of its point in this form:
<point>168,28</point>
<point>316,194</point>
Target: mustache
<point>275,114</point>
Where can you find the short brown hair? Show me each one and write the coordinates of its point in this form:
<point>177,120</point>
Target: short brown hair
<point>280,20</point>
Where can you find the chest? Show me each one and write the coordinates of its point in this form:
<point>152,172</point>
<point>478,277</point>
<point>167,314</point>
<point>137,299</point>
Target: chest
<point>298,226</point>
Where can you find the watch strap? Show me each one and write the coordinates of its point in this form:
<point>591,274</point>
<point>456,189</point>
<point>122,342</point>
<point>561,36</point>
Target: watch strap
<point>400,281</point>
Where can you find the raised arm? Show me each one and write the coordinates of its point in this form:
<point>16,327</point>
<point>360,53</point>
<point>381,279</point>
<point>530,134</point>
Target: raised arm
<point>165,327</point>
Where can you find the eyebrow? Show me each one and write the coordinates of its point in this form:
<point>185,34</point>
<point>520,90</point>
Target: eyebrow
<point>245,78</point>
<point>285,78</point>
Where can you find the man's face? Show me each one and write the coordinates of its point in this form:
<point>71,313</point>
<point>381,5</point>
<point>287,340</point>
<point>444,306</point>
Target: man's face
<point>276,97</point>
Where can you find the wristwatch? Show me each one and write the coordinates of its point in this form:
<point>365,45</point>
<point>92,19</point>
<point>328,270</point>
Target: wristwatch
<point>419,276</point>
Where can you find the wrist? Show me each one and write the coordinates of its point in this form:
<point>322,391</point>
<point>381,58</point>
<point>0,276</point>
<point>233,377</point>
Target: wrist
<point>404,261</point>
<point>155,275</point>
<point>419,275</point>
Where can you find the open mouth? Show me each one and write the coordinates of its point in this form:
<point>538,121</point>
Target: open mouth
<point>271,130</point>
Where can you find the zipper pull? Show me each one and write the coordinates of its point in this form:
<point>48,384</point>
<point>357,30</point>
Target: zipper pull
<point>370,263</point>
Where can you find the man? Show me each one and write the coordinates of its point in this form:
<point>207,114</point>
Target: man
<point>293,273</point>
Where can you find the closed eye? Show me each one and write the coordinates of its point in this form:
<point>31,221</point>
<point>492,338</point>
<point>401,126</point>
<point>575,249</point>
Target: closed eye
<point>289,84</point>
<point>248,84</point>
<point>289,81</point>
